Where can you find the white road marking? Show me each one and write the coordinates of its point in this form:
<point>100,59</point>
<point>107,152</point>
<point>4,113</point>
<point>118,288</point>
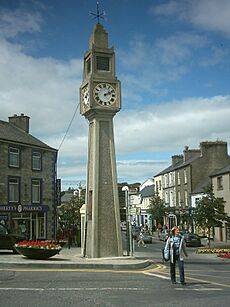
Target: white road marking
<point>191,278</point>
<point>156,275</point>
<point>73,289</point>
<point>199,289</point>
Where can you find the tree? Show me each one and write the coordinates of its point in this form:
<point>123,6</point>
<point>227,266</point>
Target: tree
<point>210,211</point>
<point>157,209</point>
<point>72,214</point>
<point>69,211</point>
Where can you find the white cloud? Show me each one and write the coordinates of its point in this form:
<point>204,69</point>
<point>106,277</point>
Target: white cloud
<point>167,127</point>
<point>42,88</point>
<point>210,15</point>
<point>153,66</point>
<point>179,47</point>
<point>19,21</point>
<point>171,126</point>
<point>139,170</point>
<point>47,90</point>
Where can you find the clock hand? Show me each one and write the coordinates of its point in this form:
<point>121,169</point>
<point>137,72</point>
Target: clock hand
<point>108,93</point>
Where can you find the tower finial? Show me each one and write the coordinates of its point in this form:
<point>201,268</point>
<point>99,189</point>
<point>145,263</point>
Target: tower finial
<point>98,15</point>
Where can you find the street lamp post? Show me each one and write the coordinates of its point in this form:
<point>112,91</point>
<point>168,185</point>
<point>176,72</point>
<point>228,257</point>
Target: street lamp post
<point>131,243</point>
<point>128,224</point>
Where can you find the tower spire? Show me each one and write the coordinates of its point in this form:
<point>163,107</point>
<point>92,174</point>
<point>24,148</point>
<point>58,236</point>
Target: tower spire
<point>98,14</point>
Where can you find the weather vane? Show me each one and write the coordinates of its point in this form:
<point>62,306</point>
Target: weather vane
<point>98,15</point>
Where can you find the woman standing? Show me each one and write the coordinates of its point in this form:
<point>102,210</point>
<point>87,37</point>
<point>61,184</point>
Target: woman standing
<point>141,238</point>
<point>174,250</point>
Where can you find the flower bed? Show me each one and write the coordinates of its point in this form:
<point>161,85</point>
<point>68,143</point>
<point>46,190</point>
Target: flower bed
<point>226,256</point>
<point>37,249</point>
<point>39,244</point>
<point>213,250</point>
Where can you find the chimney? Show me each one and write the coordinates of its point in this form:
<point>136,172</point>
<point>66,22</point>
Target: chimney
<point>176,159</point>
<point>20,121</point>
<point>216,149</point>
<point>191,153</point>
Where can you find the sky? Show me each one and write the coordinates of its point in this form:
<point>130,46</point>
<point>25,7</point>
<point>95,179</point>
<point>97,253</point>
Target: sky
<point>172,58</point>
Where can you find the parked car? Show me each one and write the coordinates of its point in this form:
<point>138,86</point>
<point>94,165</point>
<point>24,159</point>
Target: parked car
<point>7,239</point>
<point>135,231</point>
<point>192,239</point>
<point>164,235</point>
<point>147,237</point>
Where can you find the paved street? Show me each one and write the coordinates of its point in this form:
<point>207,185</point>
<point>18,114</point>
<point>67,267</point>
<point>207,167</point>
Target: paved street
<point>208,284</point>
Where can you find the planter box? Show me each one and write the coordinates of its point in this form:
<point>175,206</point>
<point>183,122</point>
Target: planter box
<point>37,253</point>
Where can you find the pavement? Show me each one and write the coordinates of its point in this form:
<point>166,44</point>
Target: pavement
<point>214,244</point>
<point>71,259</point>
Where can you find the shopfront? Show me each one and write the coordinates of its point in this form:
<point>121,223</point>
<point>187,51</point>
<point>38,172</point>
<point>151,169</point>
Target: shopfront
<point>28,220</point>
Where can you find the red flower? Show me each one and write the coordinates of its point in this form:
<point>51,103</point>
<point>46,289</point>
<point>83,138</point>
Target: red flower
<point>227,256</point>
<point>48,244</point>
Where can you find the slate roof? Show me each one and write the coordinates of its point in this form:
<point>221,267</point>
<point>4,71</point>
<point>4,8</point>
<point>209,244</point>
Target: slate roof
<point>147,191</point>
<point>199,188</point>
<point>169,168</point>
<point>221,171</point>
<point>66,197</point>
<point>177,165</point>
<point>11,133</point>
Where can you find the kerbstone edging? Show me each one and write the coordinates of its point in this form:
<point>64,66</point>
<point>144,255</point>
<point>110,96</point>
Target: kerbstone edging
<point>125,265</point>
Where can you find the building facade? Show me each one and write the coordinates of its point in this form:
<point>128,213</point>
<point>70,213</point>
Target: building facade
<point>221,188</point>
<point>139,203</point>
<point>28,171</point>
<point>188,175</point>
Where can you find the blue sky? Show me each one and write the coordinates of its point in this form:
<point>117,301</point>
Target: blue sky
<point>172,59</point>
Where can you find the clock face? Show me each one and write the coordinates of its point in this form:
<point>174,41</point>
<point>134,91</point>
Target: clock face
<point>104,94</point>
<point>85,95</point>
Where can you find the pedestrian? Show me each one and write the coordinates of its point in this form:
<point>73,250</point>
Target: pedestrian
<point>159,230</point>
<point>60,234</point>
<point>70,237</point>
<point>174,250</point>
<point>141,239</point>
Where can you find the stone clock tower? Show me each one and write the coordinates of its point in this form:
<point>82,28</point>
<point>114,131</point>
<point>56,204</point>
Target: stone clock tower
<point>100,100</point>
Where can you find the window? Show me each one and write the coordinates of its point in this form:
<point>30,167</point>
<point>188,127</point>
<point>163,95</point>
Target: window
<point>14,189</point>
<point>88,66</point>
<point>41,225</point>
<point>186,198</point>
<point>171,199</point>
<point>159,185</point>
<point>185,176</point>
<point>14,157</point>
<point>220,183</point>
<point>170,178</point>
<point>179,198</point>
<point>102,63</point>
<point>167,198</point>
<point>3,230</point>
<point>36,191</point>
<point>36,160</point>
<point>166,180</point>
<point>178,178</point>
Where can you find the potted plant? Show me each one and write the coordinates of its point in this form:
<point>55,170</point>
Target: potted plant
<point>38,249</point>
